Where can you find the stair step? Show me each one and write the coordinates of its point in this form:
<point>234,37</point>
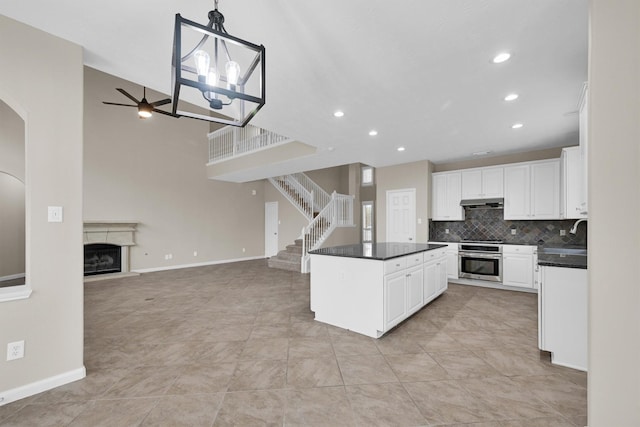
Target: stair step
<point>289,255</point>
<point>294,249</point>
<point>284,265</point>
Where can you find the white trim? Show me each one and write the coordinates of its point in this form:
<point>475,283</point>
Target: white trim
<point>27,390</point>
<point>199,264</point>
<point>493,285</point>
<point>13,293</point>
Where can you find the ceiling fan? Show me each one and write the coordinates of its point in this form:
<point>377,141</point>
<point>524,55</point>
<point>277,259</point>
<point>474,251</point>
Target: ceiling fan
<point>145,108</point>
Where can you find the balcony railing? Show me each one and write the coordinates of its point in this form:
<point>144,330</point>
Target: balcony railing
<point>231,141</point>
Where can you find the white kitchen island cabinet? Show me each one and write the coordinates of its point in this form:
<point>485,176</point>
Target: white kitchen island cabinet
<point>369,289</point>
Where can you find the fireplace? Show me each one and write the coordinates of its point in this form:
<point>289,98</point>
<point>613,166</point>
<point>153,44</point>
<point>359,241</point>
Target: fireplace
<point>102,258</point>
<point>106,248</point>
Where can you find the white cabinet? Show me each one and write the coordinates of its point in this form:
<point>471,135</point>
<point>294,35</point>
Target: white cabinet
<point>415,279</point>
<point>518,264</point>
<point>395,299</point>
<point>483,183</point>
<point>532,190</point>
<point>435,275</point>
<point>451,255</point>
<point>562,315</point>
<point>572,205</point>
<point>446,195</point>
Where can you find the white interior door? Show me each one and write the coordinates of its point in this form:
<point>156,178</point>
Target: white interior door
<point>270,229</point>
<point>401,215</point>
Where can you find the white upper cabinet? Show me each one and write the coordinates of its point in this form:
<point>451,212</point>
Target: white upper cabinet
<point>572,205</point>
<point>532,190</point>
<point>446,196</point>
<point>482,183</point>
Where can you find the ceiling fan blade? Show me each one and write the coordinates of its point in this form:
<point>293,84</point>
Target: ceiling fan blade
<point>161,102</point>
<point>125,93</point>
<point>166,113</point>
<point>115,103</point>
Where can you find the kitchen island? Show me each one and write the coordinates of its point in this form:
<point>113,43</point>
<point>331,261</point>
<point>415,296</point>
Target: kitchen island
<point>370,288</point>
<point>562,306</point>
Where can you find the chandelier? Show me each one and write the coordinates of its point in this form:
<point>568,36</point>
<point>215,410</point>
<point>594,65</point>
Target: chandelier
<point>214,70</point>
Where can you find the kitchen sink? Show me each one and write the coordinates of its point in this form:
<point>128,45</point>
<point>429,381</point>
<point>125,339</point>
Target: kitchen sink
<point>564,251</point>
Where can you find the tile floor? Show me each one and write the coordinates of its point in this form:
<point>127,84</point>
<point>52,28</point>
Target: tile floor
<point>236,344</point>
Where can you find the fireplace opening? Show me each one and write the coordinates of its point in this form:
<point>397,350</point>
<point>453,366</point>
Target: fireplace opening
<point>102,258</point>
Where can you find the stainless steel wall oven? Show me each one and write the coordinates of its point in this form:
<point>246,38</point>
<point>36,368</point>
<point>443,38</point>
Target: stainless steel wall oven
<point>480,260</point>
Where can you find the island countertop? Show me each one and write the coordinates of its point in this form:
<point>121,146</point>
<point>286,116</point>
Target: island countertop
<point>377,251</point>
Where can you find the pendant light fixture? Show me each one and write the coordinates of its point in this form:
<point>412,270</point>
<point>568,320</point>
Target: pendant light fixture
<point>214,70</point>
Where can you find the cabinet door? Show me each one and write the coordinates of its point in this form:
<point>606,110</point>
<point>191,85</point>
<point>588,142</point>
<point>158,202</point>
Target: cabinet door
<point>395,299</point>
<point>452,265</point>
<point>471,184</point>
<point>571,184</point>
<point>454,195</point>
<point>430,280</point>
<point>414,289</point>
<point>517,270</point>
<point>443,282</point>
<point>439,198</point>
<point>517,192</point>
<point>545,190</point>
<point>493,182</point>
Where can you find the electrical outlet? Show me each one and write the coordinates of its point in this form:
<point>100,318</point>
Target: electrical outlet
<point>195,253</point>
<point>563,232</point>
<point>513,231</point>
<point>170,256</point>
<point>446,231</point>
<point>244,250</point>
<point>54,213</point>
<point>15,350</point>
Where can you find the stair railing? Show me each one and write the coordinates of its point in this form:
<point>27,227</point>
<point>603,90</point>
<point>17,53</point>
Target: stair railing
<point>337,213</point>
<point>232,141</point>
<point>295,193</point>
<point>321,197</point>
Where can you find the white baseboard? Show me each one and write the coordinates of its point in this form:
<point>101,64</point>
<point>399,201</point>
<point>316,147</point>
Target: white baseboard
<point>199,264</point>
<point>8,396</point>
<point>493,285</point>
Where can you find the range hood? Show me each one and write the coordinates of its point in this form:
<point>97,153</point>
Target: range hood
<point>497,202</point>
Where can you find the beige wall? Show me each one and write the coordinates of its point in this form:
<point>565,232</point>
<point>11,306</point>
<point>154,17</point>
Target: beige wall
<point>614,198</point>
<point>50,321</point>
<point>549,153</point>
<point>154,171</point>
<point>410,175</point>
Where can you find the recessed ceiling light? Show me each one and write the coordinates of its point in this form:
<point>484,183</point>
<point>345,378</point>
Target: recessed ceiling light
<point>338,113</point>
<point>501,57</point>
<point>330,148</point>
<point>517,126</point>
<point>511,97</point>
<point>373,132</point>
<point>400,148</point>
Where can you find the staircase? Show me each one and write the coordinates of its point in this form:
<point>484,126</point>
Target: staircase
<point>325,213</point>
<point>288,259</point>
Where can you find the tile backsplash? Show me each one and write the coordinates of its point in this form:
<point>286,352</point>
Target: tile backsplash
<point>489,224</point>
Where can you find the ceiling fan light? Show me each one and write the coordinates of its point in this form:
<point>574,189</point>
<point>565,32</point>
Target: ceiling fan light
<point>144,111</point>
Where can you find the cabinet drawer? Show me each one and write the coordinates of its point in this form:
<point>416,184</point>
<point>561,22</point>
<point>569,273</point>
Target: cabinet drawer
<point>519,249</point>
<point>414,259</point>
<point>396,264</point>
<point>434,254</point>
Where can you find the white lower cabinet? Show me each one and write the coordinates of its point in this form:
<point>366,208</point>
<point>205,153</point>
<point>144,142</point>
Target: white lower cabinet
<point>518,265</point>
<point>395,299</point>
<point>562,315</point>
<point>415,278</point>
<point>435,277</point>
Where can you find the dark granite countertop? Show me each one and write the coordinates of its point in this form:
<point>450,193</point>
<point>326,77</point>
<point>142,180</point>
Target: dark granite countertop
<point>377,251</point>
<point>562,260</point>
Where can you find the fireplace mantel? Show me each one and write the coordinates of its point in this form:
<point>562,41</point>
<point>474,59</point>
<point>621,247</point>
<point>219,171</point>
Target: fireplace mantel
<point>120,233</point>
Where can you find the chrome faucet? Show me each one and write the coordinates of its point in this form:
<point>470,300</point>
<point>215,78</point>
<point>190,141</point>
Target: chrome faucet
<point>575,225</point>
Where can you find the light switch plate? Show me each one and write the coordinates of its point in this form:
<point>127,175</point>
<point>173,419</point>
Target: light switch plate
<point>55,213</point>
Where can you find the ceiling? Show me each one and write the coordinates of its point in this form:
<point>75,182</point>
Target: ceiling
<point>419,72</point>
